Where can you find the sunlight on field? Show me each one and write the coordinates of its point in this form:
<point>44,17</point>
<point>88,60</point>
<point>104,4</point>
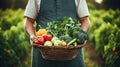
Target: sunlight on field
<point>99,1</point>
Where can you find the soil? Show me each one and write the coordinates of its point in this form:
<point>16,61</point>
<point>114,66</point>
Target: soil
<point>93,54</point>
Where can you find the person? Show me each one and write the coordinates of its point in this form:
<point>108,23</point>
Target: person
<point>43,11</point>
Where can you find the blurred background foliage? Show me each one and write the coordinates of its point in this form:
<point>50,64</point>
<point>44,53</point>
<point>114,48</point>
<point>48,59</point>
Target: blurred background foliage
<point>105,4</point>
<point>14,46</point>
<point>14,4</point>
<point>104,33</point>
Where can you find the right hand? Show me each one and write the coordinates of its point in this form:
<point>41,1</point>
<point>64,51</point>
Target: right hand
<point>32,39</point>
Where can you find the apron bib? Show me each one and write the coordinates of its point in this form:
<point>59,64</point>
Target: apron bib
<point>51,10</point>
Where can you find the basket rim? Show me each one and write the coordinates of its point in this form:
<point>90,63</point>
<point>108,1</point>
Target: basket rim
<point>63,47</point>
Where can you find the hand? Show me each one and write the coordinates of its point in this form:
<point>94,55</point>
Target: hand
<point>85,42</point>
<point>32,39</point>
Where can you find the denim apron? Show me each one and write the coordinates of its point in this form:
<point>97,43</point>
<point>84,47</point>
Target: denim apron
<point>51,10</point>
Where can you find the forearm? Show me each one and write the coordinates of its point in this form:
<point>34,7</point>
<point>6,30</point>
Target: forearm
<point>29,27</point>
<point>85,23</point>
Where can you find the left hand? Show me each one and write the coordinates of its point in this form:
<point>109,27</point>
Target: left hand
<point>85,42</point>
<point>85,23</point>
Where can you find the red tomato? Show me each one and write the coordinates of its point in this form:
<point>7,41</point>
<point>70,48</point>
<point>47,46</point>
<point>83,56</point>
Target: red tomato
<point>40,40</point>
<point>36,42</point>
<point>47,37</point>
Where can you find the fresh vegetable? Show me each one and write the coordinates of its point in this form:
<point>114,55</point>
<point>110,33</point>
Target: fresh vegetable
<point>39,41</point>
<point>54,39</point>
<point>64,44</point>
<point>48,43</point>
<point>67,29</point>
<point>66,38</point>
<point>57,43</point>
<point>47,37</point>
<point>80,36</point>
<point>40,32</point>
<point>71,42</point>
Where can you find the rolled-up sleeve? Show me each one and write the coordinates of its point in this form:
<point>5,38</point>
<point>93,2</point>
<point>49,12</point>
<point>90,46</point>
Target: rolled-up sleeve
<point>82,9</point>
<point>31,9</point>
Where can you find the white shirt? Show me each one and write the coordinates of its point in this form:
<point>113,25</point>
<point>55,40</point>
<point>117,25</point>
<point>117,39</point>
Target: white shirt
<point>33,7</point>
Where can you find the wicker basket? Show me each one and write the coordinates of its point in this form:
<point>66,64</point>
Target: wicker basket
<point>59,52</point>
